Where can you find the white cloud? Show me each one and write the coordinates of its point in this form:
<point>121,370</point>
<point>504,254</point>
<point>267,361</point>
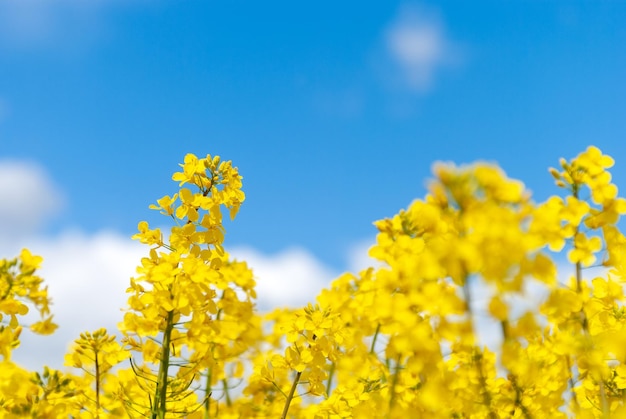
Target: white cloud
<point>358,256</point>
<point>530,299</point>
<point>418,46</point>
<point>291,278</point>
<point>87,277</point>
<point>29,198</point>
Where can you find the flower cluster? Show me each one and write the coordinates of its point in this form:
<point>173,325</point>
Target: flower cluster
<point>404,339</point>
<point>190,308</point>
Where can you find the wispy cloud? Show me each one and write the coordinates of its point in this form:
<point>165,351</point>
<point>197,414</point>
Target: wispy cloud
<point>29,198</point>
<point>42,23</point>
<point>419,47</point>
<point>358,256</point>
<point>342,103</point>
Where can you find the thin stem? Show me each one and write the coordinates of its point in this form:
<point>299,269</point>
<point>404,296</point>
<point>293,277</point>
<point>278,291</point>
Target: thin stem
<point>208,391</point>
<point>207,394</point>
<point>292,391</point>
<point>160,397</point>
<point>97,365</point>
<point>374,338</point>
<point>225,384</point>
<point>394,381</point>
<point>571,383</point>
<point>329,382</point>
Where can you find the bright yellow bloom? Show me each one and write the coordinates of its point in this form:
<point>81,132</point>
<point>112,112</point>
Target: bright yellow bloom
<point>147,236</point>
<point>165,205</point>
<point>400,340</point>
<point>584,249</point>
<point>44,327</point>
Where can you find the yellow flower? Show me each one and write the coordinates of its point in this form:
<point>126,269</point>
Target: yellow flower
<point>193,171</point>
<point>498,309</point>
<point>584,249</point>
<point>148,236</point>
<point>165,205</point>
<point>29,262</point>
<point>44,327</point>
<point>561,304</point>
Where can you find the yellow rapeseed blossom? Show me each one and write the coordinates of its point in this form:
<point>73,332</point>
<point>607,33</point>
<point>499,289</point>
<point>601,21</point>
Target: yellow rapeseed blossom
<point>404,339</point>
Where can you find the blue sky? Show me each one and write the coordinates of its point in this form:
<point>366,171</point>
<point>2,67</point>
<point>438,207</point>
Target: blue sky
<point>333,111</point>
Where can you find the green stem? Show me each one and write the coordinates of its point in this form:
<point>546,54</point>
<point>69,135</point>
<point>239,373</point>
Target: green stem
<point>160,397</point>
<point>207,394</point>
<point>374,338</point>
<point>208,391</point>
<point>394,381</point>
<point>228,400</point>
<point>570,380</point>
<point>292,391</point>
<point>329,382</point>
<point>97,366</point>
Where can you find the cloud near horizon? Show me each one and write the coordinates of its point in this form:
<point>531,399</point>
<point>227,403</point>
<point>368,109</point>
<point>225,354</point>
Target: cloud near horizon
<point>88,275</point>
<point>29,198</point>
